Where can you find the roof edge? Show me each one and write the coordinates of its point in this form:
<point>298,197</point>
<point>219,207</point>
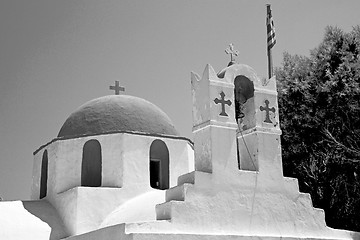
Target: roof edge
<point>112,132</point>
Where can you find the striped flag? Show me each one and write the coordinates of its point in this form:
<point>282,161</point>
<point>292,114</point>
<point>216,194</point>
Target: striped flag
<point>271,40</point>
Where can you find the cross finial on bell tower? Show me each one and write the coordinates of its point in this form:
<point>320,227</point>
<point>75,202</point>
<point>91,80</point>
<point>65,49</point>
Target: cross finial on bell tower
<point>117,88</point>
<point>233,53</point>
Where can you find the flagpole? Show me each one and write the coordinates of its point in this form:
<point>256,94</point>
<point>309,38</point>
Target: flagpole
<point>270,63</point>
<point>270,38</point>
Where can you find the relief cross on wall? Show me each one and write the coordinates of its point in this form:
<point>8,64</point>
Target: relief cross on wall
<point>268,110</point>
<point>223,102</point>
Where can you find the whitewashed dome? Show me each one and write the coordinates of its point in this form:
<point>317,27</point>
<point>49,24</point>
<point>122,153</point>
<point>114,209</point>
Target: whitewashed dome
<point>117,113</point>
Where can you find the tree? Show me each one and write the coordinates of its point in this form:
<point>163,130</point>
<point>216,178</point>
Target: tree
<point>319,104</point>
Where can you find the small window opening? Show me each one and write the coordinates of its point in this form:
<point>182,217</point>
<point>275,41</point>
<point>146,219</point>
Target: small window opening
<point>91,164</point>
<point>159,165</point>
<point>44,175</point>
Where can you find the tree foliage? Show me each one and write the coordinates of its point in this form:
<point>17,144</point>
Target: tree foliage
<point>319,104</point>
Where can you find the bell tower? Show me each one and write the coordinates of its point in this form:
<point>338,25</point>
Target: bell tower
<point>214,122</point>
<point>257,116</point>
<point>237,188</point>
<point>236,121</point>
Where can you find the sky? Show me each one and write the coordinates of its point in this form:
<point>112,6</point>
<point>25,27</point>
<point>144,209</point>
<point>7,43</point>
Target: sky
<point>57,55</point>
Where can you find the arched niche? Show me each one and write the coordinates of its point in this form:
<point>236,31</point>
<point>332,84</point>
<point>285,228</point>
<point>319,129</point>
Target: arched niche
<point>44,175</point>
<point>91,164</point>
<point>159,165</point>
<point>244,102</point>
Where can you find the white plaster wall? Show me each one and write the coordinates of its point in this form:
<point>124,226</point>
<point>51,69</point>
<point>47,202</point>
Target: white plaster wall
<point>110,233</point>
<point>85,209</point>
<point>68,164</point>
<point>190,157</point>
<point>216,87</point>
<point>200,86</point>
<point>181,159</point>
<point>52,169</point>
<point>138,209</point>
<point>124,156</point>
<point>136,157</point>
<point>269,153</point>
<point>65,156</point>
<point>66,205</point>
<point>202,149</point>
<point>124,232</point>
<point>64,178</point>
<point>224,148</point>
<point>204,92</point>
<point>21,220</point>
<point>113,160</point>
<point>208,237</point>
<point>125,175</point>
<point>260,97</point>
<point>30,227</point>
<point>52,150</point>
<point>36,175</point>
<point>215,149</point>
<point>247,203</point>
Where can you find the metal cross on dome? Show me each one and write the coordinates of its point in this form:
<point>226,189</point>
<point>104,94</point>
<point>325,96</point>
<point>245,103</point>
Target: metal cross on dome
<point>117,88</point>
<point>233,53</point>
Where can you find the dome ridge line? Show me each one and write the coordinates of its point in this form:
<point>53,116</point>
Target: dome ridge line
<point>113,132</point>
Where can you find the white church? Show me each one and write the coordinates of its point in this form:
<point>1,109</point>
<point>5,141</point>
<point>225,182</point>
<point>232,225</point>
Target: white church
<point>119,169</point>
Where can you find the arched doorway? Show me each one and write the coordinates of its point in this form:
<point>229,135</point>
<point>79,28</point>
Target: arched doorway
<point>91,164</point>
<point>159,165</point>
<point>244,90</point>
<point>244,114</point>
<point>44,175</point>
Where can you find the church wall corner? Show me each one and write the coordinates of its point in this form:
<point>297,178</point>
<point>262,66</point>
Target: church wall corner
<point>51,173</point>
<point>36,175</point>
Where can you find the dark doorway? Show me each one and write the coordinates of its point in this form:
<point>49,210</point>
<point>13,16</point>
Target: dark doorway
<point>244,89</point>
<point>155,173</point>
<point>159,165</point>
<point>44,175</point>
<point>91,164</point>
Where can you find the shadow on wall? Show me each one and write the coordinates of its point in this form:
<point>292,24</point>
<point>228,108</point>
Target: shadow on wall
<point>47,213</point>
